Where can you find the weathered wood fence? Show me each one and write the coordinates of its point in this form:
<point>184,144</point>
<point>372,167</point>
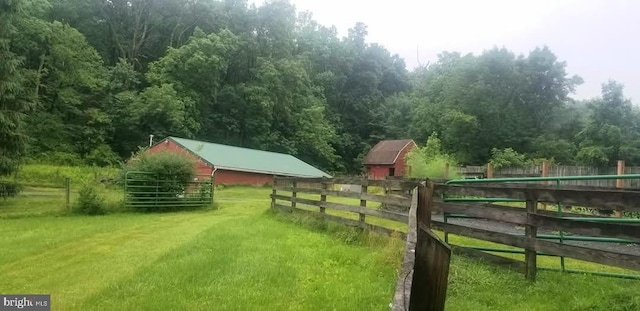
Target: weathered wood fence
<point>534,220</point>
<point>310,195</point>
<point>422,284</point>
<point>488,171</point>
<point>429,264</point>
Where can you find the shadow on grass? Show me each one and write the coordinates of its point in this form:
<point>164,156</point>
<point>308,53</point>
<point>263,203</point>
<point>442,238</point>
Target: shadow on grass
<point>392,246</point>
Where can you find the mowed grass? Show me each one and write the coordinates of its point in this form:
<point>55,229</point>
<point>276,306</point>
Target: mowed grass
<point>243,256</point>
<point>475,285</point>
<point>238,257</point>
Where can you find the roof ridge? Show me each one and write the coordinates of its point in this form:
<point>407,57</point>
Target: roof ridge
<point>231,146</point>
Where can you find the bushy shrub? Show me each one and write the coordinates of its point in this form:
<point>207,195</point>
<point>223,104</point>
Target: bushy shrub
<point>158,179</point>
<point>430,161</point>
<point>89,202</point>
<point>507,157</point>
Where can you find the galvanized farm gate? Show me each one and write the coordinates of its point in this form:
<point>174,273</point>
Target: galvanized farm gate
<point>145,190</point>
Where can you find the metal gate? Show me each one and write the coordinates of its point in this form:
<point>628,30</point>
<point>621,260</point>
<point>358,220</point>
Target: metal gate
<point>145,190</point>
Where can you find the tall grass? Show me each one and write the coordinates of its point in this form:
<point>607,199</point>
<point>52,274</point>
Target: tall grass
<point>44,175</point>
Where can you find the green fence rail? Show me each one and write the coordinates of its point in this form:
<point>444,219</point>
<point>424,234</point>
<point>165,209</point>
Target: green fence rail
<point>561,236</point>
<point>146,190</point>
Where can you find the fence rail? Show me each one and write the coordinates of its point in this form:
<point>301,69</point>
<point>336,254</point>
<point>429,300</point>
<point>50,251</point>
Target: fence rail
<point>423,281</point>
<point>396,193</point>
<point>570,235</point>
<point>558,171</point>
<point>479,199</point>
<point>150,190</point>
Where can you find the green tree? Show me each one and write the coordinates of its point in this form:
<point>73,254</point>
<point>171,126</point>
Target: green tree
<point>14,103</point>
<point>197,70</point>
<point>609,134</point>
<point>493,100</point>
<point>69,85</point>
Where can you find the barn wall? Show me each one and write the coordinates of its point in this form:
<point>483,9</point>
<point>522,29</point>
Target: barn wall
<point>202,167</point>
<point>378,171</point>
<point>221,176</point>
<point>401,164</point>
<point>382,171</point>
<point>242,178</point>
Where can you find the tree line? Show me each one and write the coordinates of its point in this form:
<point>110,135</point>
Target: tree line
<point>87,81</point>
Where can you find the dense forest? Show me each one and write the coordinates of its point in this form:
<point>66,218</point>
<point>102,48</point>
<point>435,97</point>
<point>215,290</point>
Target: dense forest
<point>87,81</point>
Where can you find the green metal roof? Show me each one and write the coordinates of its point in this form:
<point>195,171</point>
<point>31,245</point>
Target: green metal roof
<point>249,160</point>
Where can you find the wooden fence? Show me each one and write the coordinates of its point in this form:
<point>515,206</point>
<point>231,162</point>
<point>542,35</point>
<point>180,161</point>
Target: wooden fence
<point>393,193</point>
<point>423,282</point>
<point>558,171</point>
<point>432,258</point>
<point>534,220</point>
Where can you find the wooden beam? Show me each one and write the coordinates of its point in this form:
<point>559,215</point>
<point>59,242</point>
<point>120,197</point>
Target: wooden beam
<point>404,184</point>
<point>391,200</point>
<point>487,235</point>
<point>530,254</point>
<point>606,199</point>
<point>619,184</point>
<point>585,227</point>
<point>363,202</point>
<point>512,215</point>
<point>622,260</point>
<point>510,263</point>
<point>353,223</point>
<point>399,217</point>
<point>323,197</point>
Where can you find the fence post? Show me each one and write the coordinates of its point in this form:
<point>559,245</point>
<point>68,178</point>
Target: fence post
<point>489,170</point>
<point>446,171</point>
<point>619,184</point>
<point>432,258</point>
<point>67,186</point>
<point>545,173</point>
<point>425,203</point>
<point>363,203</point>
<point>323,196</point>
<point>387,191</point>
<point>273,193</point>
<point>294,195</point>
<point>531,232</point>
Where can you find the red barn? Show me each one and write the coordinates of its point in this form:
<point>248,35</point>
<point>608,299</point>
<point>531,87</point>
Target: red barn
<point>388,158</point>
<point>238,166</point>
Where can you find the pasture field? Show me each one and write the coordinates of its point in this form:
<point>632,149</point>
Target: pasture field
<point>242,256</point>
<point>237,257</point>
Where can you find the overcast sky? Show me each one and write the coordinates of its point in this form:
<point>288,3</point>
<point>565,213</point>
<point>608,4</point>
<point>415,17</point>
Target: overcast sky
<point>598,39</point>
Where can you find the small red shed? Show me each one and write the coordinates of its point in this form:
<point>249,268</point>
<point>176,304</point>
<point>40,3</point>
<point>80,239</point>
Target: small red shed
<point>232,165</point>
<point>388,158</point>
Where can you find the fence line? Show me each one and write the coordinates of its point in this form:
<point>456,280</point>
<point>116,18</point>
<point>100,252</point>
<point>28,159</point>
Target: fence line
<point>426,260</point>
<point>423,281</point>
<point>455,202</point>
<point>393,196</point>
<point>556,171</point>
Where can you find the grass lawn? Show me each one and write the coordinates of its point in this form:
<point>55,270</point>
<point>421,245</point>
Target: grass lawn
<point>244,257</point>
<point>239,257</point>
